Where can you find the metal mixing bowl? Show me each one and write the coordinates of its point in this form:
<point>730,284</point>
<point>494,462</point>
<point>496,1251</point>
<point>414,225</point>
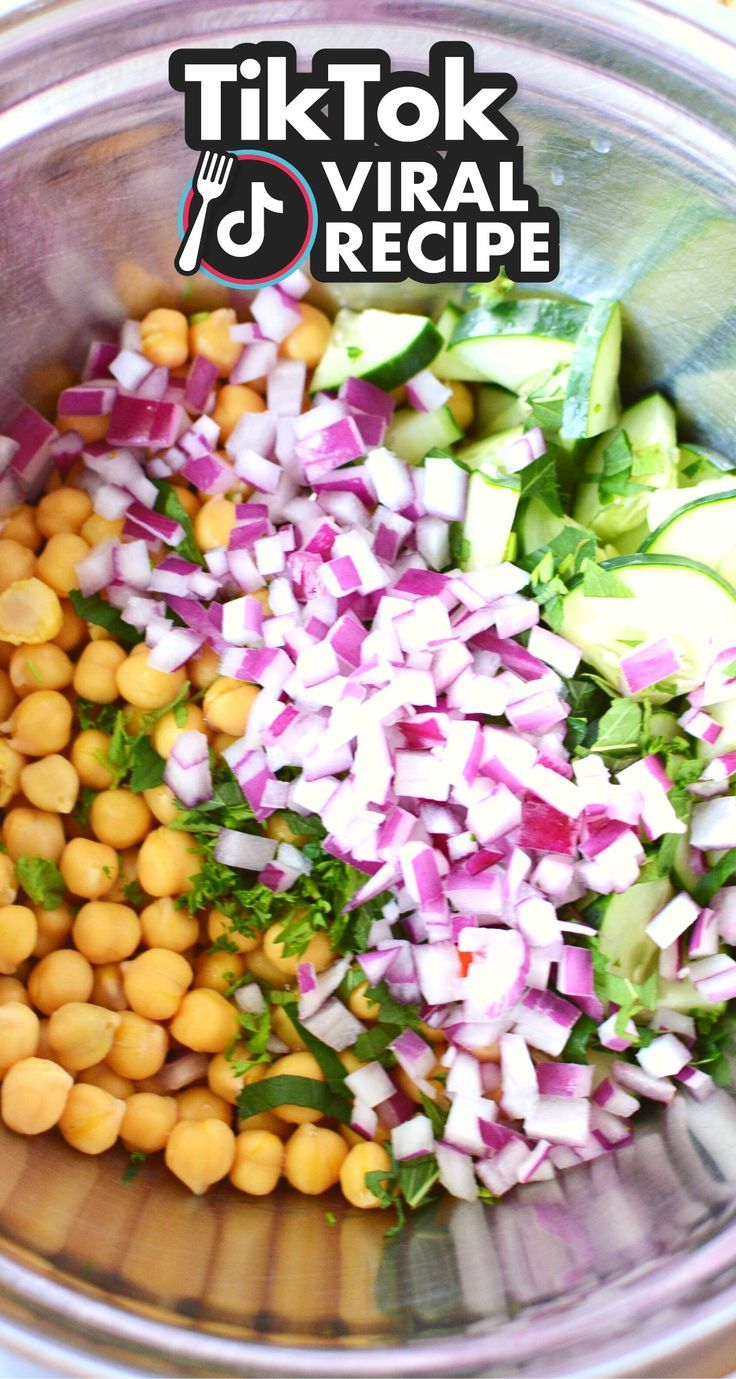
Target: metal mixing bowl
<point>627,1264</point>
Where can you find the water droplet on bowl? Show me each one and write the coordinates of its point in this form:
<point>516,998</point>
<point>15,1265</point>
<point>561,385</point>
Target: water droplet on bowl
<point>557,177</point>
<point>600,143</point>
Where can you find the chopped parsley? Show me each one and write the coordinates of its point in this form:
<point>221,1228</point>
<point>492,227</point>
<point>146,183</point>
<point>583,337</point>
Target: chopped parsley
<point>133,1166</point>
<point>41,880</point>
<point>101,716</point>
<point>406,1184</point>
<point>97,610</point>
<point>131,756</point>
<point>603,584</point>
<point>169,503</point>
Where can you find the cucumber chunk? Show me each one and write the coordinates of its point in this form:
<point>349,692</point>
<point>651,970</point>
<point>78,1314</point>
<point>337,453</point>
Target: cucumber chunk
<point>696,464</point>
<point>489,452</point>
<point>703,529</point>
<point>592,399</point>
<point>492,504</point>
<point>650,428</point>
<point>670,597</point>
<point>496,409</point>
<point>623,937</point>
<point>383,347</point>
<point>513,342</point>
<point>412,435</point>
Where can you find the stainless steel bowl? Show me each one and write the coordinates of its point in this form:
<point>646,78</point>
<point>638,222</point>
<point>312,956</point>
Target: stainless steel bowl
<point>627,1264</point>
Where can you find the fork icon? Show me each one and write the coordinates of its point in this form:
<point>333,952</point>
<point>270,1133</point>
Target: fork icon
<point>210,180</point>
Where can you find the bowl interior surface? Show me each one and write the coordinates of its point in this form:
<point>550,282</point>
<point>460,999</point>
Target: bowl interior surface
<point>628,130</point>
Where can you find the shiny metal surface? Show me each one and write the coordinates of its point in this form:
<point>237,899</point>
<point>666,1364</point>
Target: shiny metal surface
<point>627,1265</point>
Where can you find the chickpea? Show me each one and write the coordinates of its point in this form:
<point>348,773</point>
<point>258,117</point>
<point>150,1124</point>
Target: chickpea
<point>95,676</point>
<point>19,1034</point>
<point>11,765</point>
<point>264,970</point>
<point>73,629</point>
<point>51,783</point>
<point>161,802</point>
<point>40,667</point>
<point>34,833</point>
<point>223,1079</point>
<point>350,1061</point>
<point>200,1153</point>
<point>106,932</point>
<point>91,428</point>
<point>42,723</point>
<point>218,971</point>
<point>163,926</point>
<point>297,1065</point>
<point>18,933</point>
<point>148,1121</point>
<point>142,685</point>
<point>57,563</point>
<point>233,400</point>
<point>22,526</point>
<point>167,862</point>
<point>276,827</point>
<point>211,337</point>
<point>155,982</point>
<point>54,927</point>
<point>284,1028</point>
<point>200,1103</point>
<point>168,728</point>
<point>221,742</point>
<point>220,925</point>
<point>89,869</point>
<point>165,337</point>
<point>91,1119</point>
<point>139,1047</point>
<point>60,977</point>
<point>361,1005</point>
<point>8,696</point>
<point>119,818</point>
<point>89,750</point>
<point>214,523</point>
<point>205,1022</point>
<point>318,951</point>
<point>16,562</point>
<point>13,990</point>
<point>264,1120</point>
<point>66,510</point>
<point>97,529</point>
<point>34,1094</point>
<point>227,705</point>
<point>81,1034</point>
<point>30,612</point>
<point>8,883</point>
<point>308,340</point>
<point>461,405</point>
<point>258,1162</point>
<point>313,1159</point>
<point>362,1158</point>
<point>102,1076</point>
<point>108,989</point>
<point>202,668</point>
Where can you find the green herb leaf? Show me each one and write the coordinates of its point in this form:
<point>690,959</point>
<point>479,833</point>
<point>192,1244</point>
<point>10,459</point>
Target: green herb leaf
<point>576,1048</point>
<point>539,480</point>
<point>170,505</point>
<point>619,730</point>
<point>285,1090</point>
<point>134,1166</point>
<point>328,1060</point>
<point>146,767</point>
<point>618,458</point>
<point>41,880</point>
<point>715,878</point>
<point>135,895</point>
<point>603,584</point>
<point>101,716</point>
<point>97,610</point>
<point>83,806</point>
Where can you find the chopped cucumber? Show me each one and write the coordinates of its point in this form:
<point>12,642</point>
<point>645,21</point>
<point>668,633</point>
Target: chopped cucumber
<point>537,526</point>
<point>664,724</point>
<point>384,347</point>
<point>623,936</point>
<point>681,995</point>
<point>492,504</point>
<point>667,501</point>
<point>703,529</point>
<point>514,341</point>
<point>412,435</point>
<point>489,452</point>
<point>496,409</point>
<point>687,604</point>
<point>592,399</point>
<point>725,714</point>
<point>681,869</point>
<point>696,464</point>
<point>447,321</point>
<point>650,428</point>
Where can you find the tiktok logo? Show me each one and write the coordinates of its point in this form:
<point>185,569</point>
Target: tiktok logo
<point>248,219</point>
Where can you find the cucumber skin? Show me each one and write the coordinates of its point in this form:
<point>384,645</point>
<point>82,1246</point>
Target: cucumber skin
<point>547,317</point>
<point>601,331</point>
<point>390,373</point>
<point>729,495</point>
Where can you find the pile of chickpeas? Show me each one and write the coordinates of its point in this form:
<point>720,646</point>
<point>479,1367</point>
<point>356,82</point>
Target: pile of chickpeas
<point>116,1022</point>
